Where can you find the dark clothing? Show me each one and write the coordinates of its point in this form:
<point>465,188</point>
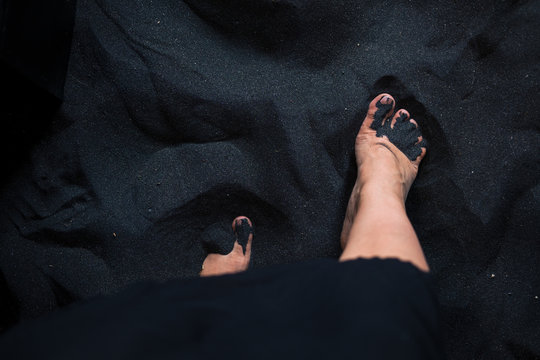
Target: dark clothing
<point>366,309</point>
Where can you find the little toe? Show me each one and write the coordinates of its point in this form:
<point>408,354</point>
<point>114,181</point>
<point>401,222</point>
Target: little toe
<point>420,143</point>
<point>420,157</point>
<point>417,133</point>
<point>380,109</point>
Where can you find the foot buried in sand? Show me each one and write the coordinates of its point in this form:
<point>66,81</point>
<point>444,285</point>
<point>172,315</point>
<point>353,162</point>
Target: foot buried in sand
<point>238,259</point>
<point>389,148</point>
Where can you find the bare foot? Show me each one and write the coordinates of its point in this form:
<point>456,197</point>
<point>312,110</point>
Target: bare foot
<point>388,152</point>
<point>238,259</point>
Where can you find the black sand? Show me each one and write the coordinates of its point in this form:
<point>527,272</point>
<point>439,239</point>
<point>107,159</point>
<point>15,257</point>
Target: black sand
<point>179,116</point>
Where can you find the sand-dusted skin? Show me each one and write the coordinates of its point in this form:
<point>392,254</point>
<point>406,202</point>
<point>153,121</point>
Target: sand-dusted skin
<point>238,259</point>
<point>388,152</point>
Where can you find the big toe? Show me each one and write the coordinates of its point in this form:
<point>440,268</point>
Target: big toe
<point>243,230</point>
<point>380,110</point>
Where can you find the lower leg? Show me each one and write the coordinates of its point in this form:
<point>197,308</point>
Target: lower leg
<point>382,229</point>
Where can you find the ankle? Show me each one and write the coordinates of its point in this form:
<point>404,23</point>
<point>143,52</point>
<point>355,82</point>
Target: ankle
<point>390,193</point>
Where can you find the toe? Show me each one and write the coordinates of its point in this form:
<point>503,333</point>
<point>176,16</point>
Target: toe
<point>417,133</point>
<point>420,142</point>
<point>420,157</point>
<point>380,109</point>
<point>400,117</point>
<point>243,229</point>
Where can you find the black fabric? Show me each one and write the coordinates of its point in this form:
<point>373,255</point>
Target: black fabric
<point>180,116</point>
<point>365,309</point>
